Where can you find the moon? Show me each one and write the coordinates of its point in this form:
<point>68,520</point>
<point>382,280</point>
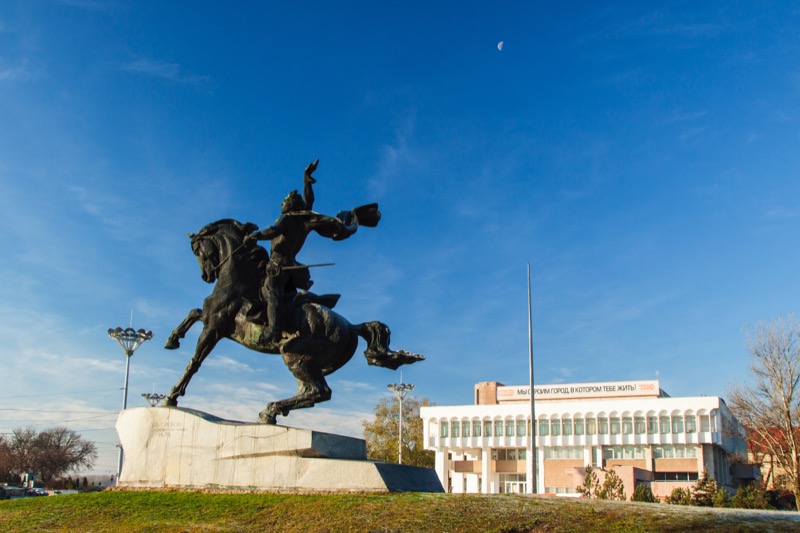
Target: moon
<point>500,46</point>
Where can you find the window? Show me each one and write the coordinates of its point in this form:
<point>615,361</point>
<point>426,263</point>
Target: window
<point>602,426</point>
<point>591,426</point>
<point>639,426</point>
<point>615,426</point>
<point>566,426</point>
<point>522,454</point>
<point>521,427</point>
<point>454,425</point>
<point>578,423</point>
<point>691,424</point>
<point>465,428</point>
<point>627,425</point>
<point>663,423</point>
<point>705,423</point>
<point>487,428</point>
<point>677,424</point>
<point>511,455</point>
<point>498,428</point>
<point>555,428</point>
<point>509,428</point>
<point>443,429</point>
<point>544,428</point>
<point>652,425</point>
<point>476,428</point>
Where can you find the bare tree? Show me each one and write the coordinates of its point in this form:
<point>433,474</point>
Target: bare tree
<point>770,406</point>
<point>51,453</point>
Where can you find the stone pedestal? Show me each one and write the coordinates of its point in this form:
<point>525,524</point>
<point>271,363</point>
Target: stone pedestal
<point>182,448</point>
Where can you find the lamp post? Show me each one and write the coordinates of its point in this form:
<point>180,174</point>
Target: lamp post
<point>153,399</point>
<point>400,390</point>
<point>129,339</point>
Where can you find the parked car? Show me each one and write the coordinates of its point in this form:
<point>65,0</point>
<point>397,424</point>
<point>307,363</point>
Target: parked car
<point>36,492</point>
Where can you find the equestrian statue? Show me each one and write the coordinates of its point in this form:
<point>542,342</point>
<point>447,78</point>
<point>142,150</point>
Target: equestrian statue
<point>261,300</point>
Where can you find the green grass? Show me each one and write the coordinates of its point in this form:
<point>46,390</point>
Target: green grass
<point>198,511</point>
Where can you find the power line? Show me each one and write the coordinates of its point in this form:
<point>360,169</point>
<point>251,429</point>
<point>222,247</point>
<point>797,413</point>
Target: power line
<point>40,423</point>
<point>75,430</point>
<point>56,393</point>
<point>59,411</point>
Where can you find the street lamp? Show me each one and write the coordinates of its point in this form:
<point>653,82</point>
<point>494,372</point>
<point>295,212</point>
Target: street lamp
<point>129,339</point>
<point>400,390</point>
<point>153,399</point>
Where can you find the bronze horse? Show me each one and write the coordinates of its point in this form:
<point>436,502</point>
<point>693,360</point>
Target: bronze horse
<point>316,340</point>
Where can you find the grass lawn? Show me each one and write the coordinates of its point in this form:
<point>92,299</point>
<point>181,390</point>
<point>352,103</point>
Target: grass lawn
<point>198,511</point>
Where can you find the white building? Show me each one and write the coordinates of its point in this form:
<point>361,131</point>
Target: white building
<point>632,427</point>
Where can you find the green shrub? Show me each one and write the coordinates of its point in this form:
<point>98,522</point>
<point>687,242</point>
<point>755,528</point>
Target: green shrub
<point>643,493</point>
<point>750,497</point>
<point>591,485</point>
<point>721,498</point>
<point>613,488</point>
<point>705,490</point>
<point>679,496</point>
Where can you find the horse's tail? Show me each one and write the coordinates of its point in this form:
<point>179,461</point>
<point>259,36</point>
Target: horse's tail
<point>378,353</point>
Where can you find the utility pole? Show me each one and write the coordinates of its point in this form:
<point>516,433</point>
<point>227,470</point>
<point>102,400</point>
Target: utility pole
<point>532,439</point>
<point>400,390</point>
<point>129,339</point>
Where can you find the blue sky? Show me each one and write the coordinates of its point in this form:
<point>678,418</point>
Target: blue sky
<point>644,159</point>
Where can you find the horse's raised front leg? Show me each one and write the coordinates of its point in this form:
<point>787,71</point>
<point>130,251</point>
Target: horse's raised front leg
<point>311,385</point>
<point>173,341</point>
<point>207,341</point>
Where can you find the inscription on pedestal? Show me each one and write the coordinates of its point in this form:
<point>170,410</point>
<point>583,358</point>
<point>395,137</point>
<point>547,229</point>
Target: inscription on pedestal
<point>167,429</point>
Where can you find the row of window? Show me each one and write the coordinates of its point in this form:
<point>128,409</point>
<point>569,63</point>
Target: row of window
<point>465,428</point>
<point>674,476</point>
<point>563,452</point>
<point>675,452</point>
<point>625,426</point>
<point>650,425</point>
<point>509,454</point>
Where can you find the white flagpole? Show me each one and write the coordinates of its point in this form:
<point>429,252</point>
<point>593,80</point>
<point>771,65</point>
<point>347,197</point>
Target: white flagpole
<point>532,438</point>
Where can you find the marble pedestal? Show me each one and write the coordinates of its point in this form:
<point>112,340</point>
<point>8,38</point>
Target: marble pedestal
<point>174,447</point>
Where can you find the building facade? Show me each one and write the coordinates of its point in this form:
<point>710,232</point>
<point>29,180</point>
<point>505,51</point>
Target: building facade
<point>631,427</point>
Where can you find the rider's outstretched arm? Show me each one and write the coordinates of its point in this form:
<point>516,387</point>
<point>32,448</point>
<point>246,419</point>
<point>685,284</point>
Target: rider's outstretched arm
<point>308,181</point>
<point>269,232</point>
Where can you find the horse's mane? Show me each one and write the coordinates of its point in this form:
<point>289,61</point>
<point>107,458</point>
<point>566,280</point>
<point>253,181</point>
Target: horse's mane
<point>234,232</point>
<point>225,225</point>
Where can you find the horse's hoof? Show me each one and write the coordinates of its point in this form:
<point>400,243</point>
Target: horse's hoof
<point>171,402</point>
<point>172,344</point>
<point>266,418</point>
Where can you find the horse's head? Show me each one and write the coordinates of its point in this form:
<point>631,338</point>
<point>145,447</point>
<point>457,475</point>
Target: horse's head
<point>215,243</point>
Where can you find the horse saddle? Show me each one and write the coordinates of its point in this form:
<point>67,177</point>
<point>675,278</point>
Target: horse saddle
<point>257,312</point>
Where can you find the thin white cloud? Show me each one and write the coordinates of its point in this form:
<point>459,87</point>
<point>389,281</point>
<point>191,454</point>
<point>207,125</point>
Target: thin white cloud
<point>228,364</point>
<point>90,5</point>
<point>163,70</point>
<point>784,214</point>
<point>18,72</point>
<point>681,116</point>
<point>397,160</point>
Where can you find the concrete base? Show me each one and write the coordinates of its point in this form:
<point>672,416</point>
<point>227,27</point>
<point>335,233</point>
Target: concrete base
<point>182,448</point>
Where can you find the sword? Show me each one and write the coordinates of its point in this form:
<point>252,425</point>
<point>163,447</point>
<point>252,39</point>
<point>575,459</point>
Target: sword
<point>274,269</point>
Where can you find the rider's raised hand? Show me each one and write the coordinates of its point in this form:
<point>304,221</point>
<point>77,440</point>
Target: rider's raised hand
<point>307,178</point>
